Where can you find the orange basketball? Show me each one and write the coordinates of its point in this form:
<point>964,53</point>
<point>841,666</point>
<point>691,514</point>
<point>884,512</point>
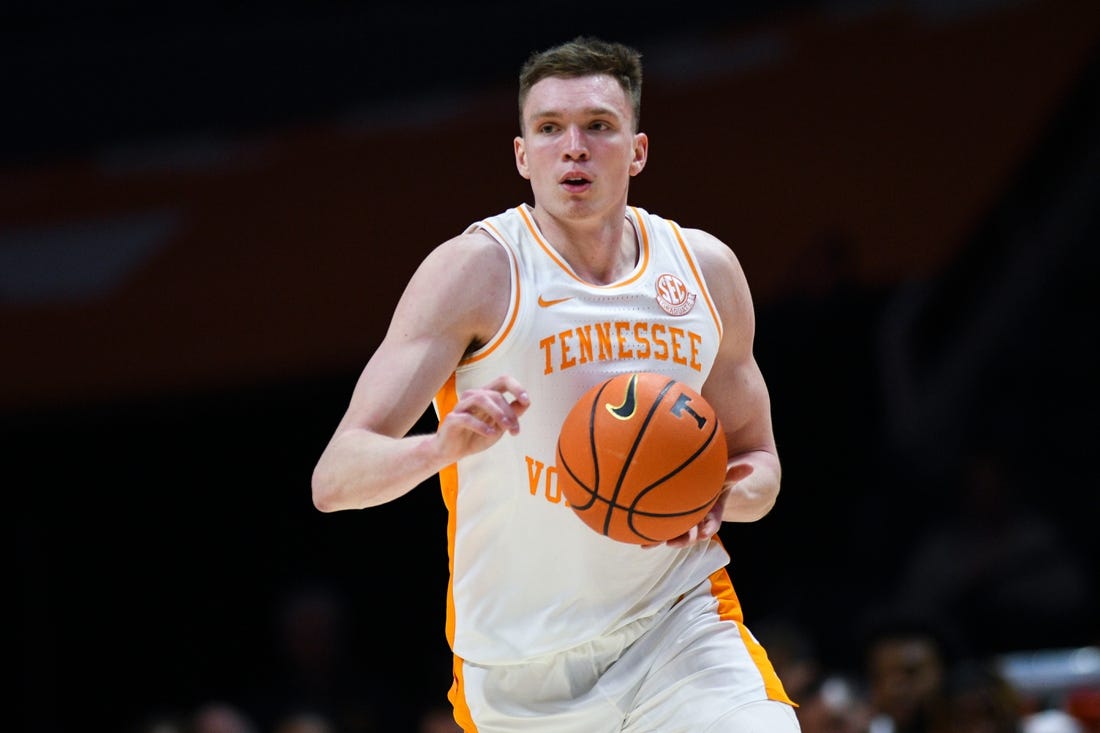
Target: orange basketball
<point>641,458</point>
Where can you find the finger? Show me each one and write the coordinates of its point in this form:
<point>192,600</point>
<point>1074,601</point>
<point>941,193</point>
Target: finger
<point>491,406</point>
<point>511,387</point>
<point>709,527</point>
<point>472,422</point>
<point>516,398</point>
<point>685,539</point>
<point>737,472</point>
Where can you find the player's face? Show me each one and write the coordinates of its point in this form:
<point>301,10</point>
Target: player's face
<point>579,148</point>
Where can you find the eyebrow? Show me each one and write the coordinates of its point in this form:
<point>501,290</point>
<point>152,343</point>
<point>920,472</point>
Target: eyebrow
<point>589,112</point>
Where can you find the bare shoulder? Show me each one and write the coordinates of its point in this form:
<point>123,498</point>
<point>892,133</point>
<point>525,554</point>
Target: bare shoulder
<point>464,284</point>
<point>469,249</point>
<point>721,269</point>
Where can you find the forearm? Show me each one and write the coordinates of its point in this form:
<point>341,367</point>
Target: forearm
<point>752,497</point>
<point>360,469</point>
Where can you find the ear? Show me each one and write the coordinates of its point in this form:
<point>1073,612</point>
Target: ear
<point>521,157</point>
<point>641,153</point>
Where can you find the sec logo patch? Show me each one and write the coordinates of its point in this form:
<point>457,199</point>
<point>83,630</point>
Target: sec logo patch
<point>673,295</point>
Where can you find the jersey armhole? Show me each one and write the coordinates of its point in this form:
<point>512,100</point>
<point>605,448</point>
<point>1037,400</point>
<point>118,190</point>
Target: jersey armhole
<point>513,295</point>
<point>697,273</point>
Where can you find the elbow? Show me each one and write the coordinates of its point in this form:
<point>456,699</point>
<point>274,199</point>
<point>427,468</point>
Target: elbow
<point>768,499</point>
<point>322,504</point>
<point>764,507</point>
<point>767,491</point>
<point>755,503</point>
<point>323,492</point>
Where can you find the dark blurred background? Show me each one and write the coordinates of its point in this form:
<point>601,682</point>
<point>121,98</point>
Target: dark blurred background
<point>208,211</point>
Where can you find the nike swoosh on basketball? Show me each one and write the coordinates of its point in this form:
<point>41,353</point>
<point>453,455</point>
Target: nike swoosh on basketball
<point>625,411</point>
<point>545,303</point>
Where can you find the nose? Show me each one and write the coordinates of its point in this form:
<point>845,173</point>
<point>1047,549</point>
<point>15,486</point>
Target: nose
<point>576,143</point>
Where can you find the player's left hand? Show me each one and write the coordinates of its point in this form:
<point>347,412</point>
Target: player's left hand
<point>710,524</point>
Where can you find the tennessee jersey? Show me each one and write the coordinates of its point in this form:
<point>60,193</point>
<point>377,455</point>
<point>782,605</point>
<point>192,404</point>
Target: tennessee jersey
<point>528,577</point>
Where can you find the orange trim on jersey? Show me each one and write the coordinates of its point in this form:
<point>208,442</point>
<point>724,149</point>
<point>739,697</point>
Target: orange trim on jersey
<point>645,243</point>
<point>698,276</point>
<point>445,401</point>
<point>553,253</point>
<point>457,696</point>
<point>492,345</point>
<point>729,608</point>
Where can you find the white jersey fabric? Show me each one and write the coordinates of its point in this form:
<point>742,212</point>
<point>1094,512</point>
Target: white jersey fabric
<point>528,577</point>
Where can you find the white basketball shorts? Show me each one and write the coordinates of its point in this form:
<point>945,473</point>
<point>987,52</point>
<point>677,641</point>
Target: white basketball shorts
<point>684,669</point>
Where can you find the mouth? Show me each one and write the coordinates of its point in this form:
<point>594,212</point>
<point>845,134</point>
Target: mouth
<point>575,175</point>
<point>575,180</point>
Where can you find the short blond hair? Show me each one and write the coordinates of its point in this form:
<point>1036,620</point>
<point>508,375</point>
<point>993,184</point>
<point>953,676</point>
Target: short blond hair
<point>585,56</point>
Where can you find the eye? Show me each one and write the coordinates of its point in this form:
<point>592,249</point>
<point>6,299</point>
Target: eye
<point>600,126</point>
<point>547,128</point>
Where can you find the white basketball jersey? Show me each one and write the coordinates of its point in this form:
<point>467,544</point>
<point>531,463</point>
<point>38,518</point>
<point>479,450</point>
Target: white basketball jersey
<point>528,577</point>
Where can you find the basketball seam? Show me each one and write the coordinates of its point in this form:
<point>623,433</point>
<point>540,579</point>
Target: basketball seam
<point>613,501</point>
<point>598,473</point>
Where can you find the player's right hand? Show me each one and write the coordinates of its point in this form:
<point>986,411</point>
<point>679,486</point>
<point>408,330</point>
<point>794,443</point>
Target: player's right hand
<point>481,416</point>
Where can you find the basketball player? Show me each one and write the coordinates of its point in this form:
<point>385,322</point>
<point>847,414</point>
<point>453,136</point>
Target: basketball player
<point>555,627</point>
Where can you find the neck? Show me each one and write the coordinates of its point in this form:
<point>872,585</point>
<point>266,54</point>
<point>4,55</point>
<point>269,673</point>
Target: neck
<point>600,252</point>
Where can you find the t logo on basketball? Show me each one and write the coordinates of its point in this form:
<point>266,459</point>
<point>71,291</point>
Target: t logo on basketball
<point>682,405</point>
<point>644,470</point>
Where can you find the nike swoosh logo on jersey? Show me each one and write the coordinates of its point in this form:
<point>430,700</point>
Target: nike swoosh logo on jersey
<point>625,410</point>
<point>544,303</point>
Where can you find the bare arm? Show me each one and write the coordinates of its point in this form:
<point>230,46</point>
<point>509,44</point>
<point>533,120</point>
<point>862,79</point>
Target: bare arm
<point>739,395</point>
<point>454,302</point>
<point>736,388</point>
